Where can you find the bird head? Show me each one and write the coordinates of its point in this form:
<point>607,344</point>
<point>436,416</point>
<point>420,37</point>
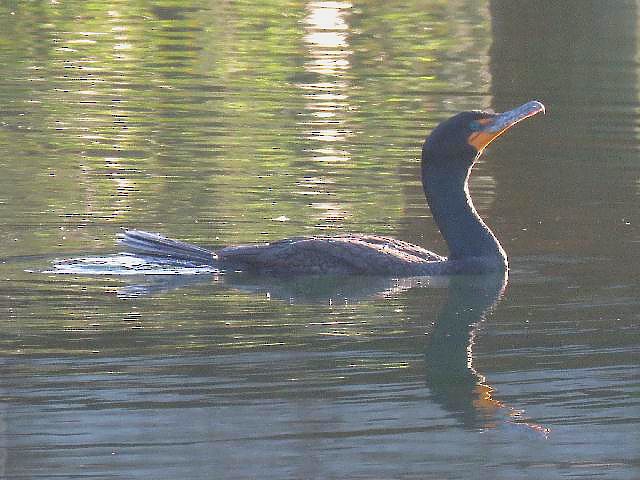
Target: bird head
<point>460,140</point>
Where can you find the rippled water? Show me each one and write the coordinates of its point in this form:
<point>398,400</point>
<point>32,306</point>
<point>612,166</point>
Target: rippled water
<point>229,122</point>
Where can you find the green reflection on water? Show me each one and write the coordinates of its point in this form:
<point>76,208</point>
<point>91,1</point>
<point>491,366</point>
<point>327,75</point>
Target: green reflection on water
<point>216,120</point>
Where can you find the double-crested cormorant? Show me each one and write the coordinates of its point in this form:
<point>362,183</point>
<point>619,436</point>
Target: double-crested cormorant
<point>448,156</point>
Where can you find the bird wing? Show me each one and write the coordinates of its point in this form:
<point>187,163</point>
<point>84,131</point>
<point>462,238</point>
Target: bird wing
<point>341,254</point>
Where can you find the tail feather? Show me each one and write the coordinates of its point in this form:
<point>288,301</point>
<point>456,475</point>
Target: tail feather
<point>148,243</point>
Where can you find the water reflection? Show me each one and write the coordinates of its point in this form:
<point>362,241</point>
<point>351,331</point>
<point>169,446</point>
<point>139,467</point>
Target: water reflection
<point>589,137</point>
<point>327,39</point>
<point>450,375</point>
<point>454,381</point>
<point>327,97</point>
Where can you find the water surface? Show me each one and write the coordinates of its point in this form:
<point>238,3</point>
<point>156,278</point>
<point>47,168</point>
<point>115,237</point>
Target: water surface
<point>220,123</point>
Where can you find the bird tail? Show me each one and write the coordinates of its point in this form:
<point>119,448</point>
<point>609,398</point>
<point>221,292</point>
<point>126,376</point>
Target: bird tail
<point>154,244</point>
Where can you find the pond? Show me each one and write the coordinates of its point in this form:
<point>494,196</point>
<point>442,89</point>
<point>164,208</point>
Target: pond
<point>232,122</point>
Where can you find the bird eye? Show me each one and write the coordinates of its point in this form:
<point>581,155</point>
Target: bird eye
<point>475,126</point>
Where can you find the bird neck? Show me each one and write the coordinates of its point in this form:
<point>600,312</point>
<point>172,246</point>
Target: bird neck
<point>467,236</point>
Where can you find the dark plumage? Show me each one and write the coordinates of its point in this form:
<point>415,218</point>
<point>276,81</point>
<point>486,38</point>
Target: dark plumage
<point>448,156</point>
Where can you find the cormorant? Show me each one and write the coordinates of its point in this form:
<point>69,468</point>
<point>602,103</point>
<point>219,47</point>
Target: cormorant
<point>448,156</point>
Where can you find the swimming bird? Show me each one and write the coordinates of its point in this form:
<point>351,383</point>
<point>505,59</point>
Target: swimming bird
<point>448,156</point>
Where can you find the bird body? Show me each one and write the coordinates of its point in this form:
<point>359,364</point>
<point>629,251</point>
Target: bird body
<point>448,156</point>
<point>341,254</point>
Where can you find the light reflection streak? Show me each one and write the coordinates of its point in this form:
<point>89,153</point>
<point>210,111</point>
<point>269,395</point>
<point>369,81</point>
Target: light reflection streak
<point>327,40</point>
<point>115,167</point>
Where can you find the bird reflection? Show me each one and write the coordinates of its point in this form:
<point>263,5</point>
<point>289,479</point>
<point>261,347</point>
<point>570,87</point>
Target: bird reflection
<point>450,375</point>
<point>453,380</point>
